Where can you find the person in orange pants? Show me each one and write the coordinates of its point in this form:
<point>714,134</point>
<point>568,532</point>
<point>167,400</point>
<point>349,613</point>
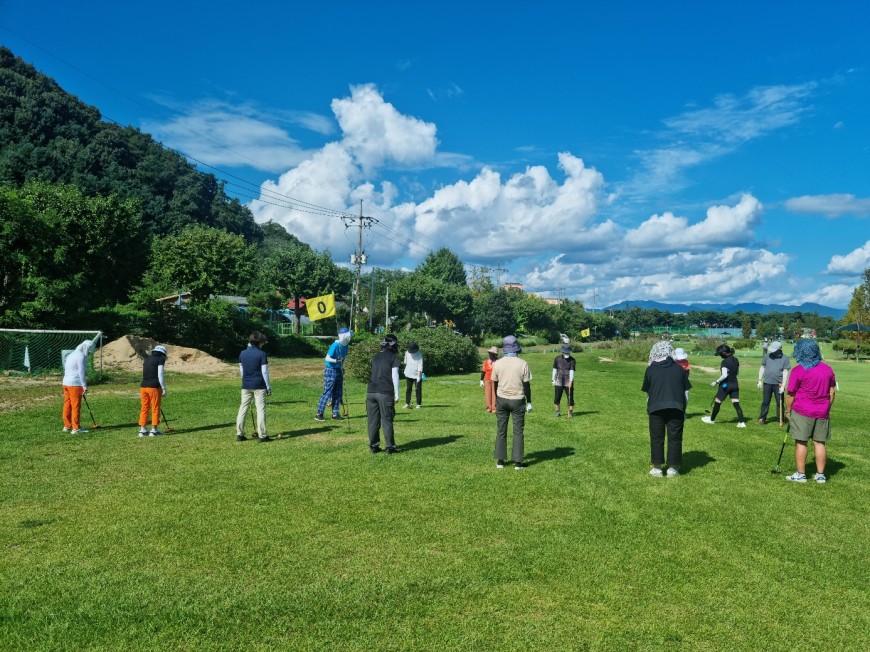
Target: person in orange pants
<point>152,389</point>
<point>75,385</point>
<point>486,379</point>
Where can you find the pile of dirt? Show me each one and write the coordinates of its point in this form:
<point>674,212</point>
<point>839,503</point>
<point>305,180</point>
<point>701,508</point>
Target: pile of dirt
<point>127,353</point>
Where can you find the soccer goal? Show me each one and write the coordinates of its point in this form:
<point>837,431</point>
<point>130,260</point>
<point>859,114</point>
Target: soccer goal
<point>45,351</point>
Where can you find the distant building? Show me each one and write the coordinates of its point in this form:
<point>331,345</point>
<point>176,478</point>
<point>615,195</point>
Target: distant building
<point>512,286</point>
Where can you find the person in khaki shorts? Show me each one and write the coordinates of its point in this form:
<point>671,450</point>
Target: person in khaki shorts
<point>513,397</point>
<point>811,389</point>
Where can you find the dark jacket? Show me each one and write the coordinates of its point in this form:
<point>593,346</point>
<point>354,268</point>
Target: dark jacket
<point>666,384</point>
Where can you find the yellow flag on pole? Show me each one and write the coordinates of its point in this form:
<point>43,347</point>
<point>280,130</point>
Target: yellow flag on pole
<point>321,307</point>
<point>585,332</point>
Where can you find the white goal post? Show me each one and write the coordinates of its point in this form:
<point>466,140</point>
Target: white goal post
<point>32,351</point>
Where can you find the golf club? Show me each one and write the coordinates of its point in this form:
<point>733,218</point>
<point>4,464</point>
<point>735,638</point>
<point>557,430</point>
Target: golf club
<point>780,406</point>
<point>709,409</point>
<point>163,414</point>
<point>777,470</point>
<point>93,421</point>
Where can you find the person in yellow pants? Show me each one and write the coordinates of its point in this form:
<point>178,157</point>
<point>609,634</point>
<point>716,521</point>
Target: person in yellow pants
<point>74,387</point>
<point>152,390</point>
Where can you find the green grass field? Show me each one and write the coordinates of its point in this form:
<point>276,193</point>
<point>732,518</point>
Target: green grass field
<point>194,541</point>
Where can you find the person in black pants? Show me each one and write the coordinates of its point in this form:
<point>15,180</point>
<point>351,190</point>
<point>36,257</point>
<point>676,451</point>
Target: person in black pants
<point>382,395</point>
<point>667,386</point>
<point>728,386</point>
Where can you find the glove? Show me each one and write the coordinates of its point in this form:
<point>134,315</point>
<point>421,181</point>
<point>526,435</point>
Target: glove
<point>553,381</point>
<point>481,383</point>
<point>759,384</point>
<point>781,389</point>
<point>528,407</point>
<point>163,393</point>
<point>268,391</point>
<point>714,383</point>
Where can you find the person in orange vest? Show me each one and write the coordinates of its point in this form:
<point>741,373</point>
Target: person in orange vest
<point>486,379</point>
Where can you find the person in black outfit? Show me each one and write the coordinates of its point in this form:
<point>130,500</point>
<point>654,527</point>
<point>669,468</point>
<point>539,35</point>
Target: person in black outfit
<point>667,386</point>
<point>564,368</point>
<point>152,390</point>
<point>727,383</point>
<point>382,395</point>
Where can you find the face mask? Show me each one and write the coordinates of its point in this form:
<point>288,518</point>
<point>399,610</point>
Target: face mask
<point>493,356</point>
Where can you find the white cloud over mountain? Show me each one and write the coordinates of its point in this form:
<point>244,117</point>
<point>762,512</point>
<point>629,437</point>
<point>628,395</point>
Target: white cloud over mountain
<point>853,263</point>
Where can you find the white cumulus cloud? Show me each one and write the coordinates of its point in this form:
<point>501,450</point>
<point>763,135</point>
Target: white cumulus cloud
<point>833,205</point>
<point>855,262</point>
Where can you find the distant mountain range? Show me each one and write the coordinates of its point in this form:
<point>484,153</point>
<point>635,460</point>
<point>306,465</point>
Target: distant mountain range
<point>762,308</point>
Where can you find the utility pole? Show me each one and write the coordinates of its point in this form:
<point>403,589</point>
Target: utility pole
<point>357,260</point>
<point>498,270</point>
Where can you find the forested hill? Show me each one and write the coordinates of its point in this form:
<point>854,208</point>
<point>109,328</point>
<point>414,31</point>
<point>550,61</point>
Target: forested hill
<point>48,135</point>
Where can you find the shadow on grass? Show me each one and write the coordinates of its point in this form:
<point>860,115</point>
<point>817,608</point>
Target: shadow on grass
<point>695,460</point>
<point>117,426</point>
<point>284,402</point>
<point>429,442</point>
<point>319,430</point>
<point>582,413</point>
<point>214,426</point>
<point>831,467</point>
<point>537,457</point>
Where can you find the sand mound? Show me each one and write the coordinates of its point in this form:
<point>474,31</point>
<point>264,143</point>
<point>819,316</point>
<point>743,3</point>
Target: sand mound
<point>127,353</point>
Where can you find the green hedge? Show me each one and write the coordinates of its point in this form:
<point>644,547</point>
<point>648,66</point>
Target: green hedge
<point>444,352</point>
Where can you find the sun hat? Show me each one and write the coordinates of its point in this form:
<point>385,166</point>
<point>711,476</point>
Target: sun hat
<point>413,347</point>
<point>680,354</point>
<point>492,349</point>
<point>566,348</point>
<point>774,346</point>
<point>159,349</point>
<point>510,345</point>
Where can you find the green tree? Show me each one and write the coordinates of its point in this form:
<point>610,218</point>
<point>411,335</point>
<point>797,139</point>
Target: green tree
<point>445,266</point>
<point>298,271</point>
<point>200,260</point>
<point>536,317</point>
<point>418,293</point>
<point>494,314</point>
<point>64,253</point>
<point>746,327</point>
<point>858,311</point>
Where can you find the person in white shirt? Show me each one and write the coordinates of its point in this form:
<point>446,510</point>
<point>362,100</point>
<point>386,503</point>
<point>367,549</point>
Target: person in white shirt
<point>75,385</point>
<point>413,374</point>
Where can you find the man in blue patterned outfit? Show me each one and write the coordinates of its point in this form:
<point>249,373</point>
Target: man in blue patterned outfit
<point>333,375</point>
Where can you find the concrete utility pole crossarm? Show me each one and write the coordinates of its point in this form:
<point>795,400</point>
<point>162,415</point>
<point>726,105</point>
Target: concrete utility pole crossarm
<point>357,260</point>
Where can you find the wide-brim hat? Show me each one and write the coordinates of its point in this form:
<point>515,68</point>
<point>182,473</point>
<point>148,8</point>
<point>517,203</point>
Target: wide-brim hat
<point>680,354</point>
<point>773,347</point>
<point>566,348</point>
<point>159,349</point>
<point>413,347</point>
<point>492,349</point>
<point>510,344</point>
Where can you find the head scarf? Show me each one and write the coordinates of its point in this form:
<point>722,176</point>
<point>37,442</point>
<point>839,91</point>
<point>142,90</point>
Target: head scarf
<point>807,353</point>
<point>660,351</point>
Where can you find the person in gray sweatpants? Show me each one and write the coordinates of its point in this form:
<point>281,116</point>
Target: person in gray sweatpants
<point>513,398</point>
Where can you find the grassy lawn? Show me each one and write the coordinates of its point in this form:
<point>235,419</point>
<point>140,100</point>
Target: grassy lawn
<point>194,541</point>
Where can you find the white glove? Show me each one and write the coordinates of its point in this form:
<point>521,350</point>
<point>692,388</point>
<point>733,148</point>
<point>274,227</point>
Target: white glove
<point>759,384</point>
<point>528,407</point>
<point>268,391</point>
<point>781,389</point>
<point>84,391</point>
<point>163,393</point>
<point>481,383</point>
<point>714,383</point>
<point>554,381</point>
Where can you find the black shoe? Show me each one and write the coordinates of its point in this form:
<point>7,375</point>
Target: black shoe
<point>241,438</point>
<point>337,417</point>
<point>392,450</point>
<point>376,449</point>
<point>319,417</point>
<point>264,439</point>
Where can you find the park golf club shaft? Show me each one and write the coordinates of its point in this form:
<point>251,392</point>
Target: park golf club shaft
<point>165,421</point>
<point>94,424</point>
<point>777,470</point>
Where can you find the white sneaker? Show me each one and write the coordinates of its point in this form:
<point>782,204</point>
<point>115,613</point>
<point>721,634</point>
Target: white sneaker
<point>65,429</point>
<point>406,406</point>
<point>797,477</point>
<point>79,431</point>
<point>143,431</point>
<point>741,424</point>
<point>419,406</point>
<point>820,478</point>
<point>154,432</point>
<point>707,420</point>
<point>672,472</point>
<point>656,473</point>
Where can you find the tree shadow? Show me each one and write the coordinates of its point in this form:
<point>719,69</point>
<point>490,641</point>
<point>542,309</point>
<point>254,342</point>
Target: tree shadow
<point>429,442</point>
<point>695,460</point>
<point>537,457</point>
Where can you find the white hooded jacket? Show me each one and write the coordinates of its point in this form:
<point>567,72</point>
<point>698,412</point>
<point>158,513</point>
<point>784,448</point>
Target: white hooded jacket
<point>74,367</point>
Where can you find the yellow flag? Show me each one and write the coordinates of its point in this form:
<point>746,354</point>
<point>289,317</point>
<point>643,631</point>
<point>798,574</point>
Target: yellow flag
<point>584,332</point>
<point>321,307</point>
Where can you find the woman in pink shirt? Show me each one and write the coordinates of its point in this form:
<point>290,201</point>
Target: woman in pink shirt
<point>811,388</point>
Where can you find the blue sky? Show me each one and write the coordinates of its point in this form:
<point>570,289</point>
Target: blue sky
<point>601,151</point>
